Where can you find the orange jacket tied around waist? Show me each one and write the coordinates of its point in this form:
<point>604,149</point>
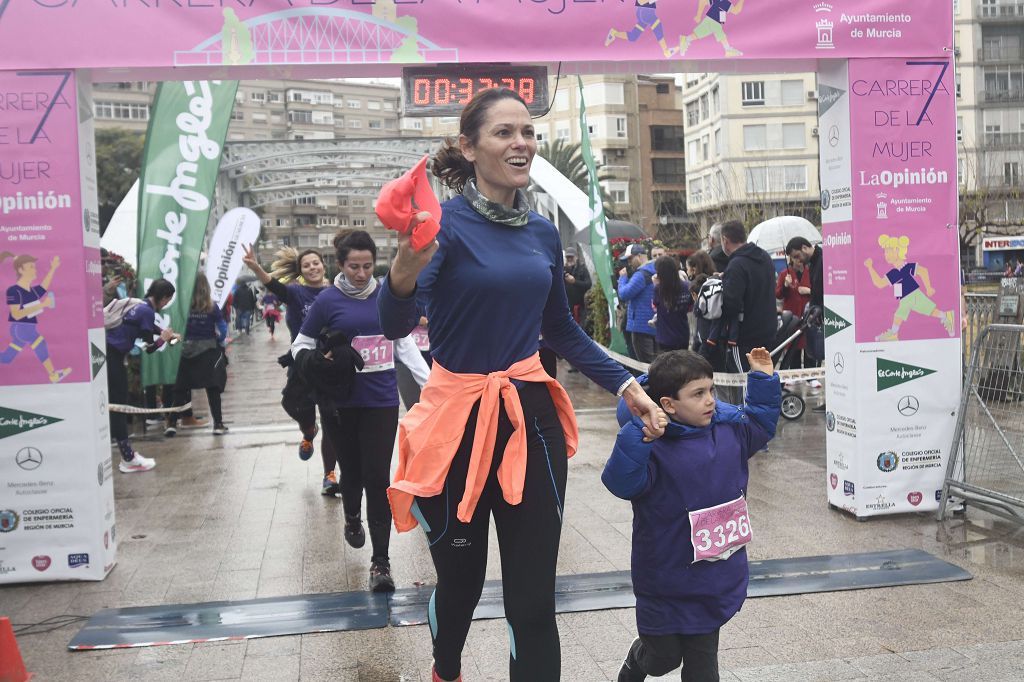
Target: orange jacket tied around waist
<point>430,434</point>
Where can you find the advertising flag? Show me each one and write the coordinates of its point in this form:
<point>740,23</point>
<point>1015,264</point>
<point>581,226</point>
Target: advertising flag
<point>599,231</point>
<point>179,170</point>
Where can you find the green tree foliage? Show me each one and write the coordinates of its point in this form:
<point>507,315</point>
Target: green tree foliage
<point>118,162</point>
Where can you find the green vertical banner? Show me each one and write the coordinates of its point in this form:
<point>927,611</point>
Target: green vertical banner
<point>599,232</point>
<point>187,127</point>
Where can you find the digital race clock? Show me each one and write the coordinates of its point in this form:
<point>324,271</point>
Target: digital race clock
<point>444,90</point>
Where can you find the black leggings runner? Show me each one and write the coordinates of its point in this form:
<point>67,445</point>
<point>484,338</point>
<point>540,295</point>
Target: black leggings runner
<point>528,535</point>
<point>363,439</point>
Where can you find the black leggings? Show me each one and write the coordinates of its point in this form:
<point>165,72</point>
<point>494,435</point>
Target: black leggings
<point>117,386</point>
<point>658,655</point>
<point>528,535</point>
<point>182,396</point>
<point>363,439</point>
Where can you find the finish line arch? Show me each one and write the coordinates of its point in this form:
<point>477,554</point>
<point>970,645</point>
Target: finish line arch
<point>888,178</point>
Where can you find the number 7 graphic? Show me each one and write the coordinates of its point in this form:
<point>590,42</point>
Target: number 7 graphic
<point>935,87</point>
<point>64,76</point>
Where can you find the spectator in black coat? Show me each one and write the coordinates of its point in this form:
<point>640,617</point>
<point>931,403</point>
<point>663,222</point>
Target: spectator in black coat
<point>748,293</point>
<point>577,284</point>
<point>715,248</point>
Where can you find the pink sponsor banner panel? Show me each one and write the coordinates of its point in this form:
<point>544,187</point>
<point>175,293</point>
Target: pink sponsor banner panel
<point>904,199</point>
<point>44,330</point>
<point>203,33</point>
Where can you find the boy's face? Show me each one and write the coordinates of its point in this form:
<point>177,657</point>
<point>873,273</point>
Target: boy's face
<point>693,404</point>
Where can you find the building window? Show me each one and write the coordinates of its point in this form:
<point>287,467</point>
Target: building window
<point>618,191</point>
<point>959,128</point>
<point>355,123</point>
<point>718,142</point>
<point>596,94</point>
<point>661,88</point>
<point>667,138</point>
<point>373,105</point>
<point>716,103</point>
<point>620,127</point>
<point>123,111</point>
<point>258,117</point>
<point>704,109</point>
<point>776,179</point>
<point>376,124</point>
<point>389,106</point>
<point>359,222</point>
<point>753,93</point>
<point>274,97</point>
<point>669,170</point>
<point>237,115</point>
<point>765,136</point>
<point>258,97</point>
<point>793,136</point>
<point>793,93</point>
<point>355,104</point>
<point>562,101</point>
<point>305,201</point>
<point>300,116</point>
<point>541,138</point>
<point>562,133</point>
<point>324,118</point>
<point>692,113</point>
<point>755,138</point>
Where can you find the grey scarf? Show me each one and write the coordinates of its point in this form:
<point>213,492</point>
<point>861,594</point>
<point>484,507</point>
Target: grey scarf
<point>516,216</point>
<point>353,291</point>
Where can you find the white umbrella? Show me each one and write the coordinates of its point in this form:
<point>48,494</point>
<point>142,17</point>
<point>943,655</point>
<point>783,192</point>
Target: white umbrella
<point>121,235</point>
<point>773,234</point>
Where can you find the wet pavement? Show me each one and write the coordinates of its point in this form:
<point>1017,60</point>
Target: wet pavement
<point>240,516</point>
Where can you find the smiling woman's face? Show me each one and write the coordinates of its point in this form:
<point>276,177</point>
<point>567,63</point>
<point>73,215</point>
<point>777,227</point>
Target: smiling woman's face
<point>504,150</point>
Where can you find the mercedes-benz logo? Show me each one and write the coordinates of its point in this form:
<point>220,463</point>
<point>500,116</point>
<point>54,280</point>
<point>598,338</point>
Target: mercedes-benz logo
<point>29,458</point>
<point>908,405</point>
<point>833,135</point>
<point>838,363</point>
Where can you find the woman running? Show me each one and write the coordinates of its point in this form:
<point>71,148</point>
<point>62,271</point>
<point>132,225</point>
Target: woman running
<point>492,431</point>
<point>25,303</point>
<point>204,364</point>
<point>139,322</point>
<point>297,279</point>
<point>271,311</point>
<point>364,412</point>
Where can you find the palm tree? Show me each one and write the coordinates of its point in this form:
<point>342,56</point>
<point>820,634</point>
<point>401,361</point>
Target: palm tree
<point>567,158</point>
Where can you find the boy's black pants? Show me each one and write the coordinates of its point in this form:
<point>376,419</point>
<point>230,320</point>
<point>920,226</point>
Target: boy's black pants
<point>657,655</point>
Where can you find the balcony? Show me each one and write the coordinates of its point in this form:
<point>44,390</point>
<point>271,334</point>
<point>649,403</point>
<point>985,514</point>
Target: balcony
<point>1000,55</point>
<point>1001,97</point>
<point>1007,139</point>
<point>1004,11</point>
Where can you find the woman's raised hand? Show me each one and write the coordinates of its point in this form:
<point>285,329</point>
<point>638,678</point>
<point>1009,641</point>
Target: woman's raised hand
<point>409,262</point>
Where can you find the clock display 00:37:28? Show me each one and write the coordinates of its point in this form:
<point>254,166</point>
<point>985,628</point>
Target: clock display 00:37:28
<point>434,91</point>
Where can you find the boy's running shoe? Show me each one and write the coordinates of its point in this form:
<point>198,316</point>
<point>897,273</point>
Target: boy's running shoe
<point>331,486</point>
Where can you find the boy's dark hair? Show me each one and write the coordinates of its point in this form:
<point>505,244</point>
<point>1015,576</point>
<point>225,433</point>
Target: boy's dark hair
<point>734,231</point>
<point>672,370</point>
<point>796,244</point>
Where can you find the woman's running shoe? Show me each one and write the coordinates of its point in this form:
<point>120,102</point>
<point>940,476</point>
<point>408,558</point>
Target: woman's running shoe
<point>219,429</point>
<point>306,446</point>
<point>380,576</point>
<point>136,464</point>
<point>331,486</point>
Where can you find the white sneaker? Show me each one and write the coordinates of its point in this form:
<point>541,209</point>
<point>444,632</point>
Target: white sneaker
<point>157,421</point>
<point>137,463</point>
<point>814,383</point>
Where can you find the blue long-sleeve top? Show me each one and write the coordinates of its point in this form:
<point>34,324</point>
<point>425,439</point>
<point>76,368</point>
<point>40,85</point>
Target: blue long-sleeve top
<point>687,469</point>
<point>638,293</point>
<point>489,292</point>
<point>207,324</point>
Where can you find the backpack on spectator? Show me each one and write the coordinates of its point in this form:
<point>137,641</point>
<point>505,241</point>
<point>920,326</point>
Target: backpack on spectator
<point>114,312</point>
<point>709,299</point>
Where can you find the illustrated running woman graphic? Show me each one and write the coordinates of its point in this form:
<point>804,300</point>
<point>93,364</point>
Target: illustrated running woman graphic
<point>646,18</point>
<point>25,303</point>
<point>905,287</point>
<point>711,15</point>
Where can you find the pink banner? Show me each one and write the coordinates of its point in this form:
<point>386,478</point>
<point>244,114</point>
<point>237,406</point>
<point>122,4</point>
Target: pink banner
<point>184,33</point>
<point>904,199</point>
<point>43,338</point>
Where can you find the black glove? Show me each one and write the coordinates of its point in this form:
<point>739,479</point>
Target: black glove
<point>286,360</point>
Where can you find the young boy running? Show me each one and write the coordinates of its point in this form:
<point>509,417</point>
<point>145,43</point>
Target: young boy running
<point>690,517</point>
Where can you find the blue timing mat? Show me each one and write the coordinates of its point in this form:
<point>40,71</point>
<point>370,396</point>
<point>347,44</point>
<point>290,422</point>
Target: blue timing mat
<point>181,623</point>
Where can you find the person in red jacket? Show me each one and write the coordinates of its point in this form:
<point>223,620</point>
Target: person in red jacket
<point>793,288</point>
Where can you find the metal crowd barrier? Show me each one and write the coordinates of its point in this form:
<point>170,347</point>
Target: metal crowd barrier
<point>986,465</point>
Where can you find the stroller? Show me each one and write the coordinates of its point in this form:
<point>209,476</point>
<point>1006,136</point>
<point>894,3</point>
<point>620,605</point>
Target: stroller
<point>790,328</point>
